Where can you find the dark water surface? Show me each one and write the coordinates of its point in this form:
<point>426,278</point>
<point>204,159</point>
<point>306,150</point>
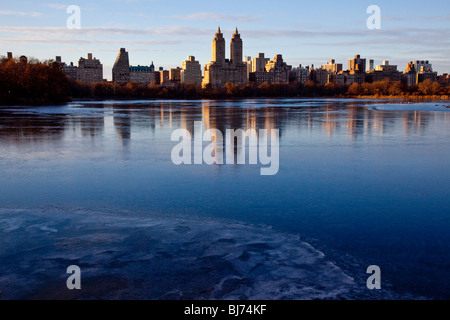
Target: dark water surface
<point>361,182</point>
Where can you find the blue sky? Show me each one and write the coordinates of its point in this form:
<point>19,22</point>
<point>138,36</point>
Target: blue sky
<point>167,31</point>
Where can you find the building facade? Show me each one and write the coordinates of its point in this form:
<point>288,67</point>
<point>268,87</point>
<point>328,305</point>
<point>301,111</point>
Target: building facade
<point>386,67</point>
<point>89,70</point>
<point>121,68</point>
<point>320,76</point>
<point>280,69</point>
<point>423,66</point>
<point>300,74</point>
<point>357,64</point>
<point>260,77</point>
<point>142,74</point>
<point>249,63</point>
<point>175,75</point>
<point>69,70</point>
<point>410,75</point>
<point>164,77</point>
<point>221,71</point>
<point>259,63</point>
<point>191,71</point>
<point>332,67</point>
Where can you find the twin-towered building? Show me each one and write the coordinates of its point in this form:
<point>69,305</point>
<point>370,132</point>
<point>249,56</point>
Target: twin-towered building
<point>216,73</point>
<point>221,70</point>
<point>238,72</point>
<point>235,70</point>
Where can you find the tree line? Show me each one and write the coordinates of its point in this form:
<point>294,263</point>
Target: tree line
<point>32,82</point>
<point>309,89</point>
<point>35,82</point>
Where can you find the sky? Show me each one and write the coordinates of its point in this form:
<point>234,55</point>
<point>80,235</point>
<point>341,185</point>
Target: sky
<point>168,31</point>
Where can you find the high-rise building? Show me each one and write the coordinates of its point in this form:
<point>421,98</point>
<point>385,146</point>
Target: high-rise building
<point>175,74</point>
<point>410,75</point>
<point>371,64</point>
<point>423,66</point>
<point>218,47</point>
<point>386,67</point>
<point>338,78</point>
<point>142,74</point>
<point>191,71</point>
<point>357,64</point>
<point>90,70</point>
<point>384,71</point>
<point>355,77</point>
<point>332,67</point>
<point>236,49</point>
<point>280,69</point>
<point>301,74</point>
<point>424,71</point>
<point>221,71</point>
<point>320,76</point>
<point>121,68</point>
<point>69,70</point>
<point>259,63</point>
<point>410,68</point>
<point>260,77</point>
<point>248,62</point>
<point>422,76</point>
<point>164,77</point>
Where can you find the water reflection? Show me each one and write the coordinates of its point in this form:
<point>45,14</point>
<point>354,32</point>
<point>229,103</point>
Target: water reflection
<point>351,173</point>
<point>122,123</point>
<point>25,128</point>
<point>327,118</point>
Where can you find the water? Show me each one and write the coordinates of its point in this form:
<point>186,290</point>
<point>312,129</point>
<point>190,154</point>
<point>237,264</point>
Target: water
<point>361,182</point>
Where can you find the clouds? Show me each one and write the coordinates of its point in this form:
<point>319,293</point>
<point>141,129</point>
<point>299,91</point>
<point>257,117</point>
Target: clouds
<point>218,17</point>
<point>57,32</point>
<point>57,6</point>
<point>178,28</point>
<point>19,13</point>
<point>175,34</point>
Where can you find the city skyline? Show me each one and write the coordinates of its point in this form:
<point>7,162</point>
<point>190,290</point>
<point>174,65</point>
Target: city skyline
<point>304,33</point>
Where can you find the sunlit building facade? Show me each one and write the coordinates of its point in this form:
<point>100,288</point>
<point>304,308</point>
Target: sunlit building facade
<point>220,70</point>
<point>90,70</point>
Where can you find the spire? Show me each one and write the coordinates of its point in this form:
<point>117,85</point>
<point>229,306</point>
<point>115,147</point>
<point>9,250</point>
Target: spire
<point>236,32</point>
<point>218,30</point>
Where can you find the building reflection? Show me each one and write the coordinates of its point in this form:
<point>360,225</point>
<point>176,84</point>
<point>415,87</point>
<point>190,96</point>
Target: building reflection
<point>330,121</point>
<point>122,123</point>
<point>350,119</point>
<point>91,126</point>
<point>20,127</point>
<point>327,118</point>
<point>414,122</point>
<point>355,122</point>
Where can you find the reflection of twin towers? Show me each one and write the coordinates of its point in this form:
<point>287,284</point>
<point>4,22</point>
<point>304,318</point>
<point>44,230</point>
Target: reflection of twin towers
<point>223,118</point>
<point>179,115</point>
<point>354,121</point>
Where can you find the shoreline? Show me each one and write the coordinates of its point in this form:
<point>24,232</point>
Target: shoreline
<point>444,98</point>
